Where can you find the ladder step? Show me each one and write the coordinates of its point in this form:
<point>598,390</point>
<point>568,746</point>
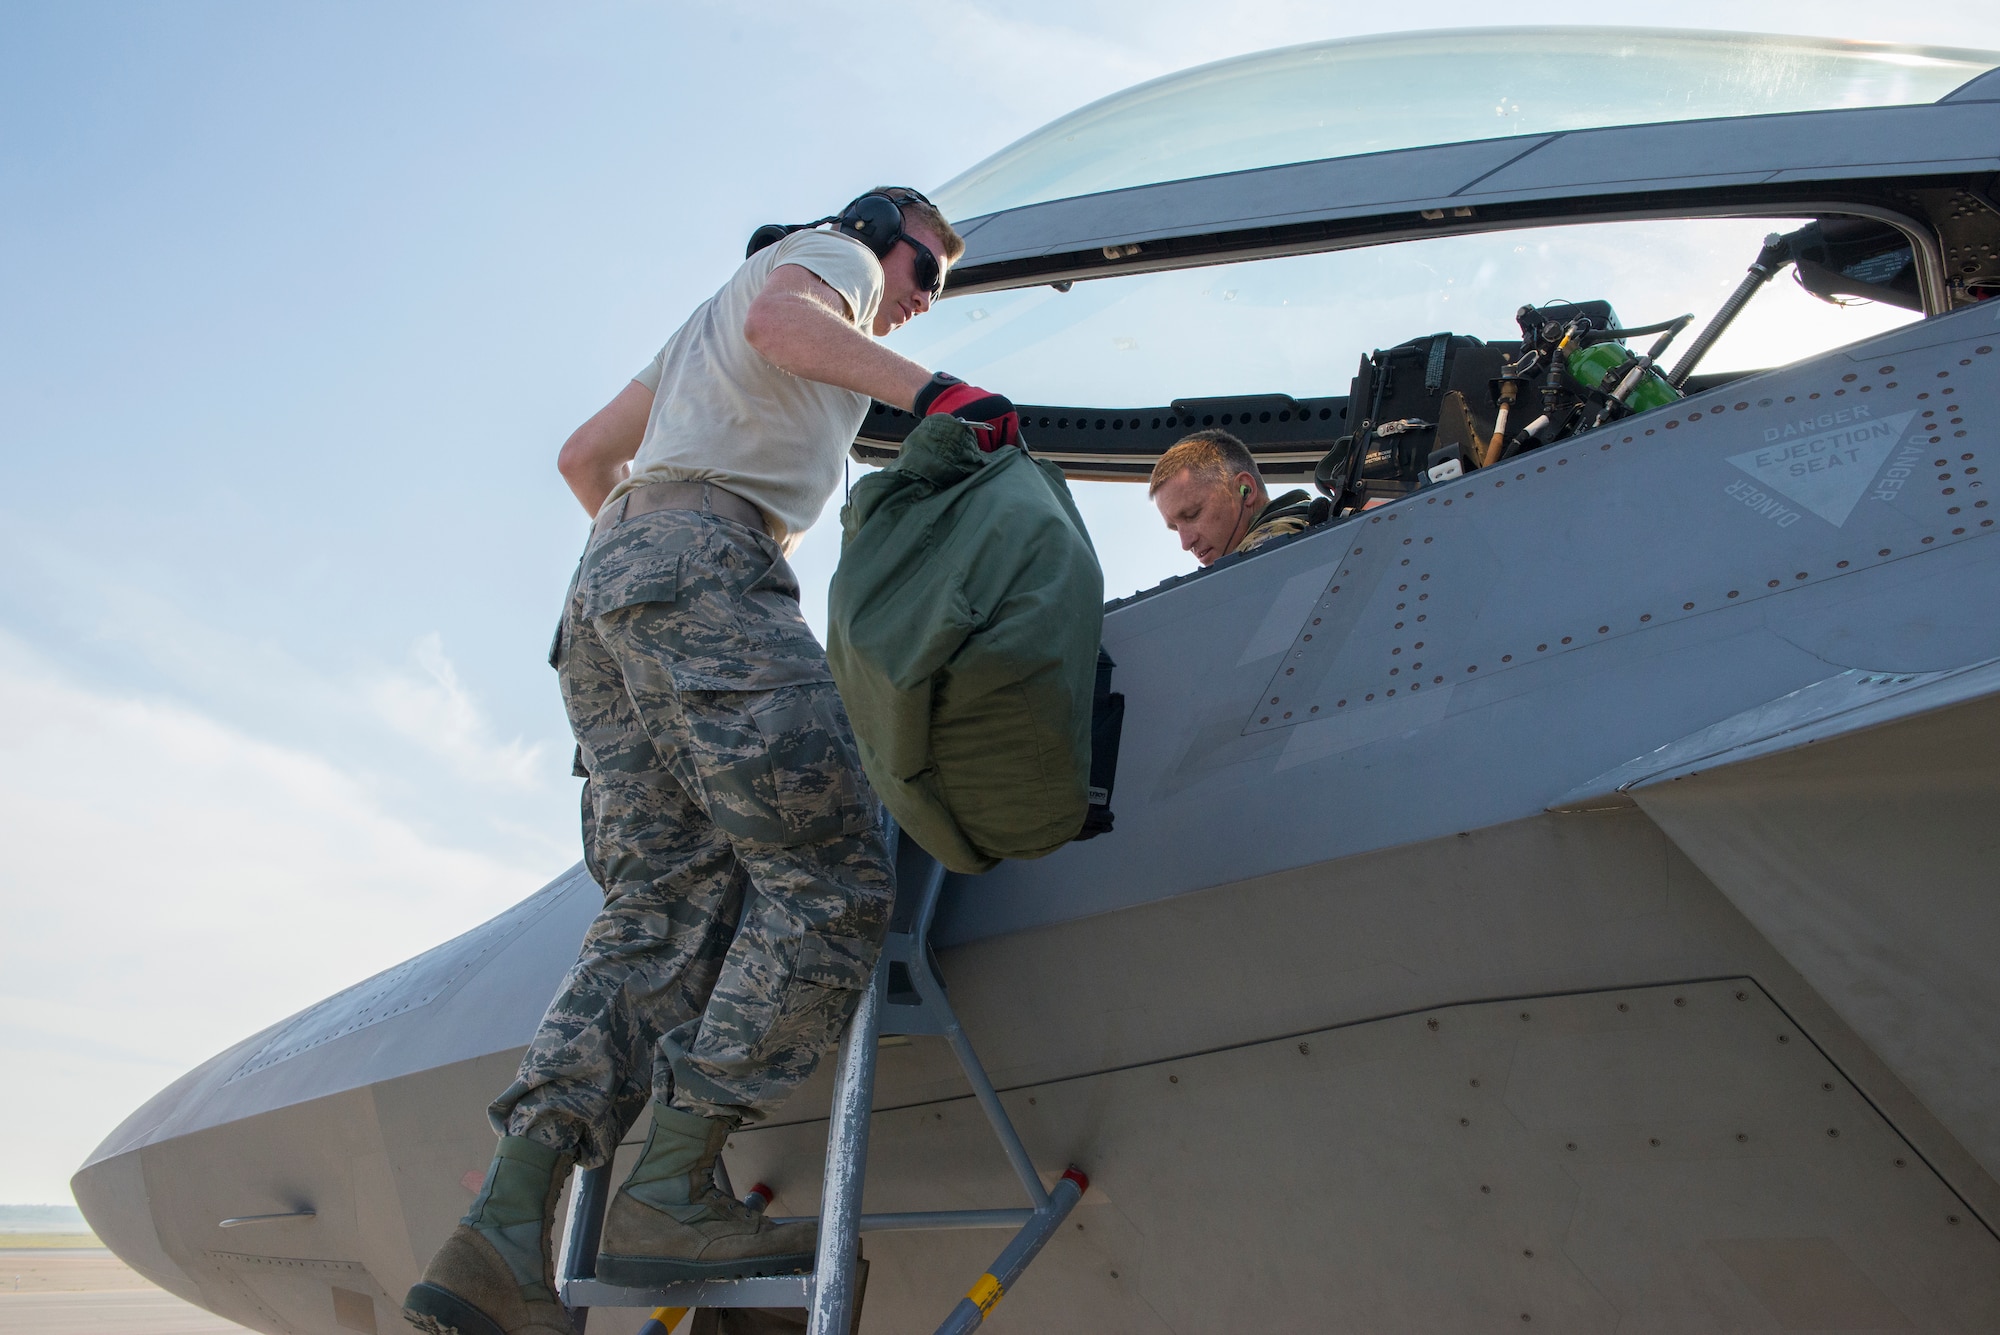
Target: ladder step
<point>892,1223</point>
<point>771,1291</point>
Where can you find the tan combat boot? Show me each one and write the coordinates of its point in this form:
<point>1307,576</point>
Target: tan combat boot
<point>494,1274</point>
<point>668,1223</point>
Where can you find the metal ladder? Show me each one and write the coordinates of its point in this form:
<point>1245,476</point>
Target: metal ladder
<point>905,996</point>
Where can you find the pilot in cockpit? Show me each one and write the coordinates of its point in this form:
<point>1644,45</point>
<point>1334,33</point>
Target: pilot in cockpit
<point>1211,494</point>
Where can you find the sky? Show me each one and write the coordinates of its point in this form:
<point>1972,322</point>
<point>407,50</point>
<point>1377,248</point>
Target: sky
<point>296,304</point>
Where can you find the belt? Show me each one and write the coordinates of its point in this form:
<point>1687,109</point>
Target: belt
<point>705,497</point>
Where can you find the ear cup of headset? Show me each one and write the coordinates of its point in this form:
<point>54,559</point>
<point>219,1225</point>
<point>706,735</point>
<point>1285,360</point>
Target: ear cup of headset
<point>770,234</point>
<point>874,221</point>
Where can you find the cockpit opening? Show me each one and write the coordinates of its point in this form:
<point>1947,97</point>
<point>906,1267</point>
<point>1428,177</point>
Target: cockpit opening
<point>1431,407</point>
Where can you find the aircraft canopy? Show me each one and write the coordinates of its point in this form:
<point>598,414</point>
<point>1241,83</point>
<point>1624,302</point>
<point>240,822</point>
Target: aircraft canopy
<point>1406,90</point>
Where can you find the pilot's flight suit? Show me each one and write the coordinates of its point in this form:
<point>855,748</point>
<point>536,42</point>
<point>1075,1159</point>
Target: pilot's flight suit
<point>1280,518</point>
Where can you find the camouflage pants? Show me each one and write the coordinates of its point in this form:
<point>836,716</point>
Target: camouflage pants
<point>728,822</point>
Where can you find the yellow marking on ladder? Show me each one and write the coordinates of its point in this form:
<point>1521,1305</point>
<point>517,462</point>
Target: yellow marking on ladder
<point>669,1317</point>
<point>985,1295</point>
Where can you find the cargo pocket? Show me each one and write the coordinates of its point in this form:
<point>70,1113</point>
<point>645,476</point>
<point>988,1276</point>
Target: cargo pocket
<point>823,992</point>
<point>817,786</point>
<point>625,578</point>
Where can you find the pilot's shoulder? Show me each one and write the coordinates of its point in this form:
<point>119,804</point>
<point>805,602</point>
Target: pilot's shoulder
<point>1288,514</point>
<point>1278,526</point>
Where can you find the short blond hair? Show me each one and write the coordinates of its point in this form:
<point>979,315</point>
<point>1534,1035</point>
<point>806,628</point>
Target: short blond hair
<point>1211,454</point>
<point>924,214</point>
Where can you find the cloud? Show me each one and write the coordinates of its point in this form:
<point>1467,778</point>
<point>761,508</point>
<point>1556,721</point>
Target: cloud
<point>435,711</point>
<point>172,884</point>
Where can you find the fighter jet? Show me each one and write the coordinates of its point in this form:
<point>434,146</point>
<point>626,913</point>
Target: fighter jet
<point>1556,891</point>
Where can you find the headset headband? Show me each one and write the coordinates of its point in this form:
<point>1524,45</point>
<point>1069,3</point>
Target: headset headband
<point>874,219</point>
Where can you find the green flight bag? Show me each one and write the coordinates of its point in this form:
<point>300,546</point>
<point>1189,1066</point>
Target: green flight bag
<point>964,622</point>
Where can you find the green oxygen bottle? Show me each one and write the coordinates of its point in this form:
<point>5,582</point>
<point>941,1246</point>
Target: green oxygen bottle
<point>1590,365</point>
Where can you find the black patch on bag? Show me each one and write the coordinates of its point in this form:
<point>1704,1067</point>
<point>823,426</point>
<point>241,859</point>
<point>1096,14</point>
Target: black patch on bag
<point>1107,725</point>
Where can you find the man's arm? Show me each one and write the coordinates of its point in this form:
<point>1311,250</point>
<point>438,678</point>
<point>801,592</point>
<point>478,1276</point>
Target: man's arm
<point>593,459</point>
<point>799,324</point>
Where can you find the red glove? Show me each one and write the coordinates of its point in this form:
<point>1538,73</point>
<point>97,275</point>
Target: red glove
<point>991,416</point>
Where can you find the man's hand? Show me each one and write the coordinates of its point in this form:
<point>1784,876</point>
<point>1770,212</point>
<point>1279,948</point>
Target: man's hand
<point>991,415</point>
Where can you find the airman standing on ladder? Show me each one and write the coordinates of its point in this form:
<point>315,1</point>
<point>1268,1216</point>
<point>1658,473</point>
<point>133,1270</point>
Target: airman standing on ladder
<point>725,814</point>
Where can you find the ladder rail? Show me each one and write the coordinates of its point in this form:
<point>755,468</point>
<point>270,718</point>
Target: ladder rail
<point>933,1015</point>
<point>589,1194</point>
<point>832,1308</point>
<point>996,1114</point>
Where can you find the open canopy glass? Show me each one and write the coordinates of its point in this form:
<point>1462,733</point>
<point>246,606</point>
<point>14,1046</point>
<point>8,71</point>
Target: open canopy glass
<point>1405,90</point>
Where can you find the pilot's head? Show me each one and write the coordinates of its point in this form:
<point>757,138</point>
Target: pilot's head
<point>1208,490</point>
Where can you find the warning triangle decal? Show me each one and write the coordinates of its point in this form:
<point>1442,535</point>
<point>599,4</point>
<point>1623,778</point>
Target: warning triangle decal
<point>1827,472</point>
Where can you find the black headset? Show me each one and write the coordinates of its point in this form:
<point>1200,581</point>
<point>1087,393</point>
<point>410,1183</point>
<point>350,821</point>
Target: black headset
<point>875,220</point>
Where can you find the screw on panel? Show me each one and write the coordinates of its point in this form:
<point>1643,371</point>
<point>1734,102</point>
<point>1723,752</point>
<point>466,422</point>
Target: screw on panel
<point>1431,1024</point>
<point>1680,1001</point>
<point>1305,1049</point>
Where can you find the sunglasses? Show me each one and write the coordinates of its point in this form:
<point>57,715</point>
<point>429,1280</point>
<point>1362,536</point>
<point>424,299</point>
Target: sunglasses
<point>928,272</point>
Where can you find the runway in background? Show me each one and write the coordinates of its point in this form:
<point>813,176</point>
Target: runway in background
<point>68,1290</point>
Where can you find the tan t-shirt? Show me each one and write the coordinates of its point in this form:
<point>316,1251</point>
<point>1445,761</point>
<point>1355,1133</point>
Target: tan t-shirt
<point>724,414</point>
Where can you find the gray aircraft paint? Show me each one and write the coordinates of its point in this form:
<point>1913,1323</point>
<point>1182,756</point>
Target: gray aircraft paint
<point>1634,965</point>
